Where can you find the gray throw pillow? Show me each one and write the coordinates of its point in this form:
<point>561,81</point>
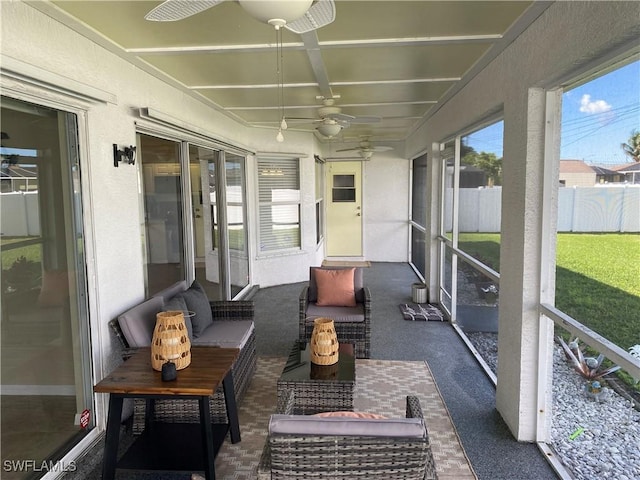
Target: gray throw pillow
<point>198,303</point>
<point>177,303</point>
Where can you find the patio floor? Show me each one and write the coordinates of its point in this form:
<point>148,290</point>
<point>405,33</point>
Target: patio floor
<point>468,393</point>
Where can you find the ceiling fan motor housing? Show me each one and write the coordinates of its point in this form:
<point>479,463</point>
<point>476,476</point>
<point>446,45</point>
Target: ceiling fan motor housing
<point>269,10</point>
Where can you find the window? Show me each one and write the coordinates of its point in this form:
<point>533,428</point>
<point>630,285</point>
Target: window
<point>597,250</point>
<point>471,202</point>
<point>319,201</point>
<point>162,184</point>
<point>279,203</point>
<point>418,213</point>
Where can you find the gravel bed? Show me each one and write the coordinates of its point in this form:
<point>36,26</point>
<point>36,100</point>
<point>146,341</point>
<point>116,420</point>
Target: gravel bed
<point>595,438</point>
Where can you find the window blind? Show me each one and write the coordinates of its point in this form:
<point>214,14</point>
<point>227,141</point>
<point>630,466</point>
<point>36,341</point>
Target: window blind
<point>279,203</point>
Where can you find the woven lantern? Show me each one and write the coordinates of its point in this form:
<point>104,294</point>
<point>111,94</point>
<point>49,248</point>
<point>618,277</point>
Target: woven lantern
<point>324,342</point>
<point>170,341</point>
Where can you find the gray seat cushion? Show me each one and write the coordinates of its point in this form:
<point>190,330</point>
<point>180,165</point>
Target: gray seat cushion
<point>197,302</point>
<point>137,324</point>
<point>347,426</point>
<point>172,290</point>
<point>226,334</point>
<point>178,303</point>
<point>338,314</point>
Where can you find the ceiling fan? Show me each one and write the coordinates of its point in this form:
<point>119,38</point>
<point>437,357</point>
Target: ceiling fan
<point>332,120</point>
<point>365,149</point>
<point>299,16</point>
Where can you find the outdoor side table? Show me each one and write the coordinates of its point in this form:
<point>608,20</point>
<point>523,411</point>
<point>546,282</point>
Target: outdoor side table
<point>319,388</point>
<point>171,446</point>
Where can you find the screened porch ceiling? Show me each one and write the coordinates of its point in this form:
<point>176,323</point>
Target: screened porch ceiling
<point>396,60</point>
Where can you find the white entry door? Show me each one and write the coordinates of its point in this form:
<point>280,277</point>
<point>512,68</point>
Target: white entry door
<point>344,209</point>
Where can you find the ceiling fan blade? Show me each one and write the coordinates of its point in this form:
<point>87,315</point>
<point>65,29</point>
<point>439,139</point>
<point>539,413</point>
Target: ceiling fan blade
<point>382,148</point>
<point>340,117</point>
<point>366,120</point>
<point>348,149</point>
<point>321,13</point>
<point>173,10</point>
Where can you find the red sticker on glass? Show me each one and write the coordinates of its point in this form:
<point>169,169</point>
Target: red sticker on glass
<point>84,418</point>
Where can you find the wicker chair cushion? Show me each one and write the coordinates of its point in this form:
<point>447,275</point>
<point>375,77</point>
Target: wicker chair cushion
<point>358,283</point>
<point>197,301</point>
<point>226,334</point>
<point>137,324</point>
<point>346,426</point>
<point>338,314</point>
<point>335,288</point>
<point>178,303</point>
<point>349,414</point>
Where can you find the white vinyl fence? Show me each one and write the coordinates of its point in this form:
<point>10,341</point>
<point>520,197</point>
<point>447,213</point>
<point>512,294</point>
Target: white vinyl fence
<point>607,208</point>
<point>581,209</point>
<point>20,214</point>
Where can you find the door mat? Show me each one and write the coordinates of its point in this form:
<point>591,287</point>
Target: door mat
<point>421,312</point>
<point>346,263</point>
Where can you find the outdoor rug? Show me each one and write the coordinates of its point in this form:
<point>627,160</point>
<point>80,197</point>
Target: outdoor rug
<point>381,387</point>
<point>421,312</point>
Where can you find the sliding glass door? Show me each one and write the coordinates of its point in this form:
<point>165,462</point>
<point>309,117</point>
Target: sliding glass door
<point>194,217</point>
<point>46,377</point>
<point>163,211</point>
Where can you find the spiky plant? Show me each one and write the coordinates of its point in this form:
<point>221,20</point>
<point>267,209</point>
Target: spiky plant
<point>587,367</point>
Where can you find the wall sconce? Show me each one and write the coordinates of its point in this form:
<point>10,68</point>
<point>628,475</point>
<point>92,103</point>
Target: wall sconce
<point>127,155</point>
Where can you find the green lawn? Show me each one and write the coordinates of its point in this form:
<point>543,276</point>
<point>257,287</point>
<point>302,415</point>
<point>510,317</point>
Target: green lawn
<point>597,279</point>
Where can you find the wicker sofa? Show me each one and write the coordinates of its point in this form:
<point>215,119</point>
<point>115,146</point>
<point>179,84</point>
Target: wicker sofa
<point>232,327</point>
<point>352,324</point>
<point>300,447</point>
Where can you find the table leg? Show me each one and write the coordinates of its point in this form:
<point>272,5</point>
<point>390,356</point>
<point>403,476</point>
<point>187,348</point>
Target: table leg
<point>207,438</point>
<point>232,408</point>
<point>112,437</point>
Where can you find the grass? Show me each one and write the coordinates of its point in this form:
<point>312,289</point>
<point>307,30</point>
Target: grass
<point>10,255</point>
<point>597,279</point>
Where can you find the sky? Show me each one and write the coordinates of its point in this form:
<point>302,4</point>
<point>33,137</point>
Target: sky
<point>596,118</point>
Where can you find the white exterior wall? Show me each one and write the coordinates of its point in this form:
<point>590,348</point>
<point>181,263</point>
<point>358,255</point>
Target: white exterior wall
<point>566,37</point>
<point>386,207</point>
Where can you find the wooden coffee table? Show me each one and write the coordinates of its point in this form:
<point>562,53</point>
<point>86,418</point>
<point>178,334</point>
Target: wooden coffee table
<point>319,388</point>
<point>171,446</point>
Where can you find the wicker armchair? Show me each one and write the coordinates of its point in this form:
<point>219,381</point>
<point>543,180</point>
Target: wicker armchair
<point>300,456</point>
<point>352,324</point>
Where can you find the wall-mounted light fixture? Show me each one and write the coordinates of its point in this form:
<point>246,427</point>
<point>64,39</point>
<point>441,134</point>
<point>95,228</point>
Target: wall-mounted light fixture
<point>128,154</point>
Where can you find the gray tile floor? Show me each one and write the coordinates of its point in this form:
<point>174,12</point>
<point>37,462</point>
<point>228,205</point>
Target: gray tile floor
<point>467,392</point>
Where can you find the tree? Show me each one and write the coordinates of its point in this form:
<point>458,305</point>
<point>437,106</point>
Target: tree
<point>632,147</point>
<point>487,162</point>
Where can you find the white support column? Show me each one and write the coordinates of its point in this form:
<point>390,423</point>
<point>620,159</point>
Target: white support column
<point>521,362</point>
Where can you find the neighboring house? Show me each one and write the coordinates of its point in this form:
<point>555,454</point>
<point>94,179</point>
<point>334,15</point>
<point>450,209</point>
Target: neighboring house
<point>606,175</point>
<point>630,172</point>
<point>576,173</point>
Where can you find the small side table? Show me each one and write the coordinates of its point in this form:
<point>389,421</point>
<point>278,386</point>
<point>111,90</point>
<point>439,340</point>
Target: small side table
<point>319,388</point>
<point>171,446</point>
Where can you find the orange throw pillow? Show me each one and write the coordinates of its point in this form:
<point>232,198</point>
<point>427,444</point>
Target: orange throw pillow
<point>335,288</point>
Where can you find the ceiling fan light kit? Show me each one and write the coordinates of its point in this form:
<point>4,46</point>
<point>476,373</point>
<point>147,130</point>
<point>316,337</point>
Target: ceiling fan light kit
<point>329,129</point>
